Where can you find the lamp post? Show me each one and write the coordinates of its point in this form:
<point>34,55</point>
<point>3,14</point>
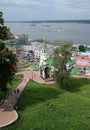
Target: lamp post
<point>31,71</point>
<point>32,74</point>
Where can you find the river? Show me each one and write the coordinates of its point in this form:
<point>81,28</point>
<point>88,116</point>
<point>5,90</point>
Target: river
<point>68,31</point>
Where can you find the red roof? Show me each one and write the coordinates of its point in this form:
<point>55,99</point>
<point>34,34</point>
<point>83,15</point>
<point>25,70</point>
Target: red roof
<point>82,58</point>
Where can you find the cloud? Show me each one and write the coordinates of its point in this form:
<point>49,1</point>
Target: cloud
<point>23,2</point>
<point>47,3</point>
<point>72,8</point>
<point>46,9</point>
<point>72,4</point>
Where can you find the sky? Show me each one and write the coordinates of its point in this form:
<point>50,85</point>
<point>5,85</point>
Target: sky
<point>32,10</point>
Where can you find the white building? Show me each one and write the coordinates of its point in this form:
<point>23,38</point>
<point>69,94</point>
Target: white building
<point>45,68</point>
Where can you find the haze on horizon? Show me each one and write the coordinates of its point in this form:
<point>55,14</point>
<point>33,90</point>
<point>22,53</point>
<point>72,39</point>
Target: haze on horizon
<point>35,10</point>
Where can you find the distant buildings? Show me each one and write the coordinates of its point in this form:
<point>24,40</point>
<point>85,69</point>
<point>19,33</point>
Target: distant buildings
<point>37,51</point>
<point>36,47</point>
<point>17,40</point>
<point>82,61</point>
<point>15,43</point>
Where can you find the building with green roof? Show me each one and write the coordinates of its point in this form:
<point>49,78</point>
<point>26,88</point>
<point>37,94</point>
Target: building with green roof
<point>17,41</point>
<point>75,70</point>
<point>45,65</point>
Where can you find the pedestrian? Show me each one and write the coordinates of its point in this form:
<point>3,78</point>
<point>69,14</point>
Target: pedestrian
<point>18,90</point>
<point>14,91</point>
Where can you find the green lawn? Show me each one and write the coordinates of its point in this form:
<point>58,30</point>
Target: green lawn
<point>45,107</point>
<point>16,80</point>
<point>24,65</point>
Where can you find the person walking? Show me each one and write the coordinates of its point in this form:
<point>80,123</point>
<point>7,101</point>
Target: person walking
<point>14,91</point>
<point>18,90</point>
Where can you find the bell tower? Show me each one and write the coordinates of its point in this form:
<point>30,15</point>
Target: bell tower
<point>43,65</point>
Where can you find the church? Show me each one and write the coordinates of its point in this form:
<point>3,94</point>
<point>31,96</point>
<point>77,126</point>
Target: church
<point>45,64</point>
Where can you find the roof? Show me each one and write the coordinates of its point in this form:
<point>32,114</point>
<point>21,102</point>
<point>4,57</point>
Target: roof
<point>34,67</point>
<point>75,70</point>
<point>88,69</point>
<point>49,62</point>
<point>82,57</point>
<point>14,42</point>
<point>87,48</point>
<point>83,53</point>
<point>71,62</point>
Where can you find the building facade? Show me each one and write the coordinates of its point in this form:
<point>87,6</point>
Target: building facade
<point>45,64</point>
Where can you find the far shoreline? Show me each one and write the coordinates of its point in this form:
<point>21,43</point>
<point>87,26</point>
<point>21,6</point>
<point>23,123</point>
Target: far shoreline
<point>50,21</point>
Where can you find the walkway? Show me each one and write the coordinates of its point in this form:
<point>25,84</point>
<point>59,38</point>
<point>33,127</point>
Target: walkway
<point>7,113</point>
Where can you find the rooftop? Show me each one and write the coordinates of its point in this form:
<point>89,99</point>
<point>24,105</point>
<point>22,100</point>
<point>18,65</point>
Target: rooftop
<point>75,70</point>
<point>71,62</point>
<point>82,57</point>
<point>83,53</point>
<point>49,62</point>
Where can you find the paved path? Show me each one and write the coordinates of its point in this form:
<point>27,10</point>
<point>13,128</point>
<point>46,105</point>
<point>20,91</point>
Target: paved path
<point>7,113</point>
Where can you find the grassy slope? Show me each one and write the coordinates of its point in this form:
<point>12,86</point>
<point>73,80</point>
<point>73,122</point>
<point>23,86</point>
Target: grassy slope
<point>45,107</point>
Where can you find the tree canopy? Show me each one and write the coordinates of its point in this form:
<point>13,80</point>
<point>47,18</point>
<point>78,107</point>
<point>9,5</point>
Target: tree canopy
<point>62,55</point>
<point>4,31</point>
<point>81,48</point>
<point>7,66</point>
<point>7,58</point>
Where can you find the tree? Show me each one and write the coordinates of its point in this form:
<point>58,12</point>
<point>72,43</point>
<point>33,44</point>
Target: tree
<point>7,66</point>
<point>4,31</point>
<point>81,48</point>
<point>7,58</point>
<point>62,55</point>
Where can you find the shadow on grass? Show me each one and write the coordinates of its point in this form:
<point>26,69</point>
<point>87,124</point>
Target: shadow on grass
<point>34,95</point>
<point>76,83</point>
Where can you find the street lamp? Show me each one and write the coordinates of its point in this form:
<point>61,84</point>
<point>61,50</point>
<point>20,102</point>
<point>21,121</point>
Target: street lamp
<point>31,73</point>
